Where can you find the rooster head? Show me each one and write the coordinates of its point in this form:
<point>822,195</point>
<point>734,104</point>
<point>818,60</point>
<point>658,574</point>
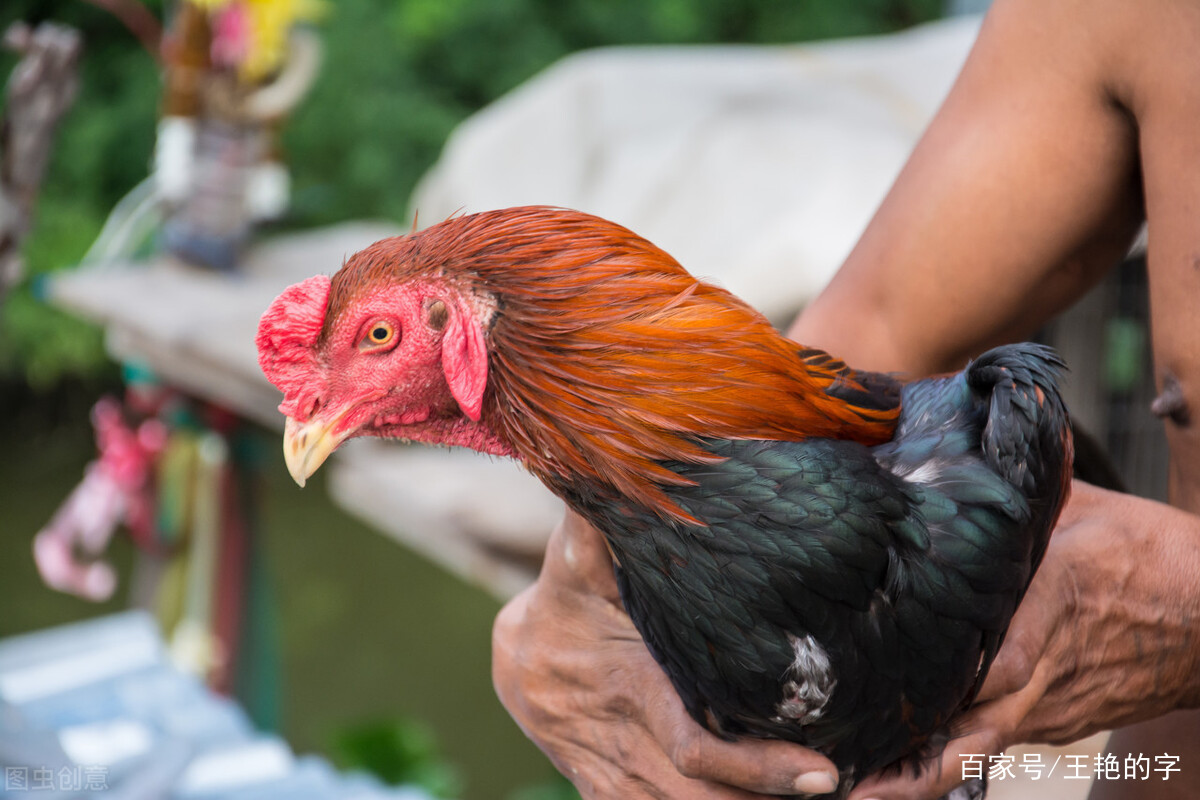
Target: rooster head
<point>400,359</point>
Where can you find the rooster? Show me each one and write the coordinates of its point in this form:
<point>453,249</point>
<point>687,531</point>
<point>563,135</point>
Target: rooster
<point>811,552</point>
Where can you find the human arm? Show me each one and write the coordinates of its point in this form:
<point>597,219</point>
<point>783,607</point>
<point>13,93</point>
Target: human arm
<point>1023,192</point>
<point>575,675</point>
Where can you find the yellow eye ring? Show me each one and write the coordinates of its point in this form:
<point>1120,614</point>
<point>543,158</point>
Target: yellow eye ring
<point>379,335</point>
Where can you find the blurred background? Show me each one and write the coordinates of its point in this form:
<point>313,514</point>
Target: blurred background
<point>382,657</point>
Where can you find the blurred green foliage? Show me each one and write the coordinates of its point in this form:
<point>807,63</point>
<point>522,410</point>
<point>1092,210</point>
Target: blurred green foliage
<point>400,752</point>
<point>101,151</point>
<point>398,75</point>
<point>405,752</point>
<point>557,788</point>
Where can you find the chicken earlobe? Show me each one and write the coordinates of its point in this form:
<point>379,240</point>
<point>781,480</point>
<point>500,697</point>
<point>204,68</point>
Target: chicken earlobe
<point>465,360</point>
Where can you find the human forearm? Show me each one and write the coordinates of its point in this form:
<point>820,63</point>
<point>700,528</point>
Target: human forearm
<point>1019,196</point>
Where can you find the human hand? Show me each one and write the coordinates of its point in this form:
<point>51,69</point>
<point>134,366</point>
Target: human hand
<point>1104,638</point>
<point>575,675</point>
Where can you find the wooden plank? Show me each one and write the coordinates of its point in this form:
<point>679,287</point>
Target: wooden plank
<point>485,519</point>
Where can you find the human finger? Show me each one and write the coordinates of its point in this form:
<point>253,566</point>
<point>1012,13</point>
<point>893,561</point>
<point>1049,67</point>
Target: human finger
<point>769,767</point>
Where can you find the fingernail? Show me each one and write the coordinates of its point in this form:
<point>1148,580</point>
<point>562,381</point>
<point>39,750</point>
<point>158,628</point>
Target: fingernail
<point>815,783</point>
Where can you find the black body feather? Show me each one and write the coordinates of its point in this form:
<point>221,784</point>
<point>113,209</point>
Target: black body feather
<point>903,563</point>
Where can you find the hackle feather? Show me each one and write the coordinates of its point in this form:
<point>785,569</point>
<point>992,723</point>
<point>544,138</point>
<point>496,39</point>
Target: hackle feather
<point>606,358</point>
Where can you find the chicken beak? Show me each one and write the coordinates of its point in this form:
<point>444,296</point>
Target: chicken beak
<point>306,445</point>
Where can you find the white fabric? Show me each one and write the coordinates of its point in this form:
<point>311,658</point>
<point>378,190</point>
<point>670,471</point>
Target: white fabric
<point>754,166</point>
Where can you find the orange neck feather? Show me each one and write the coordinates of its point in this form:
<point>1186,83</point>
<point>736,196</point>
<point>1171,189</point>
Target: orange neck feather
<point>607,358</point>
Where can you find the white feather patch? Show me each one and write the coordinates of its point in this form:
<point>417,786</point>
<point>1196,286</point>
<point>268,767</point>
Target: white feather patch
<point>927,472</point>
<point>973,789</point>
<point>811,682</point>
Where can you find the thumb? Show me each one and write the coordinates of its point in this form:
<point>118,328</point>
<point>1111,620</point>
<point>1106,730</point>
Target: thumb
<point>764,766</point>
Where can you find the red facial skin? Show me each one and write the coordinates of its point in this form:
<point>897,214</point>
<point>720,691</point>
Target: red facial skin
<point>403,361</point>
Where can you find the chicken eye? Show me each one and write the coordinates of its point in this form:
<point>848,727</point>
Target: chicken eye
<point>379,335</point>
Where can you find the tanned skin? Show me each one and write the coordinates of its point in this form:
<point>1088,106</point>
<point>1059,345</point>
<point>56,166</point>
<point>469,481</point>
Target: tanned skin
<point>1071,123</point>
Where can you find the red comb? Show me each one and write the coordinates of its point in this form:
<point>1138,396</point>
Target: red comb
<point>286,334</point>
